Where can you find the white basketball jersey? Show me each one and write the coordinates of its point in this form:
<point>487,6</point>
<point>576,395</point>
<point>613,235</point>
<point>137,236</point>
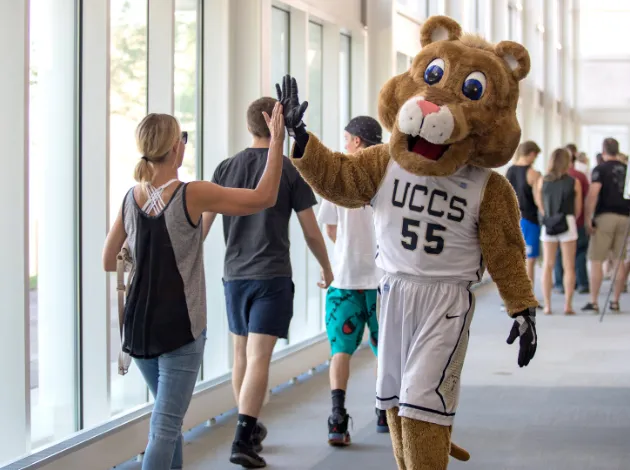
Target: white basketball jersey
<point>427,226</point>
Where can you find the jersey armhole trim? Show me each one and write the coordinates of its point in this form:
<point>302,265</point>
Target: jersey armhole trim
<point>192,224</point>
<point>380,183</point>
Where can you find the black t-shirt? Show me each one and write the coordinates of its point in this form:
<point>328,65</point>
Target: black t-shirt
<point>612,176</point>
<point>257,245</point>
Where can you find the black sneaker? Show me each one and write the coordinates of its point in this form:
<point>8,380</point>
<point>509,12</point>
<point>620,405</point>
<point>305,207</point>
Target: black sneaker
<point>338,434</point>
<point>245,455</point>
<point>259,434</point>
<point>381,421</point>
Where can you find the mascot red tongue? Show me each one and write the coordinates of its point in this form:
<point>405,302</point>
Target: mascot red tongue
<point>428,150</point>
<point>441,217</point>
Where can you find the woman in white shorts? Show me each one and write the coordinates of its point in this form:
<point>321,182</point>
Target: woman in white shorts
<point>559,199</point>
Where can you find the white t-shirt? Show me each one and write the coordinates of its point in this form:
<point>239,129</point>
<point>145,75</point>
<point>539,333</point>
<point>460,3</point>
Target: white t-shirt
<point>355,248</point>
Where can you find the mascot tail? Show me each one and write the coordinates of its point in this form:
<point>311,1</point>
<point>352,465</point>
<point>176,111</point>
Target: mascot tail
<point>459,453</point>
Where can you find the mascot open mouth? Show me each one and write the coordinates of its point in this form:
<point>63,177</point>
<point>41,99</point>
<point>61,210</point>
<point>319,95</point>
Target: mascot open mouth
<point>425,148</point>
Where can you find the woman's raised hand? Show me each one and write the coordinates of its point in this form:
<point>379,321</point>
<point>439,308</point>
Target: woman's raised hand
<point>275,123</point>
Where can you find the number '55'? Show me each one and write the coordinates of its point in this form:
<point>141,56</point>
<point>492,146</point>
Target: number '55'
<point>410,229</point>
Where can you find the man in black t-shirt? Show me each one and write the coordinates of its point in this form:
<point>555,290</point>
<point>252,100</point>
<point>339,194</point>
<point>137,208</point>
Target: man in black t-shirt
<point>257,275</point>
<point>606,218</point>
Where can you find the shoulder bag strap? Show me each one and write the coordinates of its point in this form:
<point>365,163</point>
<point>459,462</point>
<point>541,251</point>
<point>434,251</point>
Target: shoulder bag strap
<point>123,260</point>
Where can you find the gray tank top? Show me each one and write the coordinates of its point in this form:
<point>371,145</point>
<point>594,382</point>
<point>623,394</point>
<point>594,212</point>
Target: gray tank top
<point>166,305</point>
<point>559,196</point>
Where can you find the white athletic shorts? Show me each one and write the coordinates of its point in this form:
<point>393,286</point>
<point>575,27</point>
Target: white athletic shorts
<point>423,337</point>
<point>568,236</point>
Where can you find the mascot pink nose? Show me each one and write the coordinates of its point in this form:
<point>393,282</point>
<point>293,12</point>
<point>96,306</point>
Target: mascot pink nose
<point>427,107</point>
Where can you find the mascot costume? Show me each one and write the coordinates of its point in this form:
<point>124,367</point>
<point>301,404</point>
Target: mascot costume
<point>441,217</point>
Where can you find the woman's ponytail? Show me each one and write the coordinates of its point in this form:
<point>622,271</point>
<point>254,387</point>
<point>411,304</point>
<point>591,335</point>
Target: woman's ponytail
<point>144,171</point>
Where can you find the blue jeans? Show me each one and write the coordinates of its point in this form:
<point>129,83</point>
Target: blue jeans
<point>171,378</point>
<point>581,273</point>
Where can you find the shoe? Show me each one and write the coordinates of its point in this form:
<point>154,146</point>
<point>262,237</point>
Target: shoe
<point>338,434</point>
<point>259,434</point>
<point>244,455</point>
<point>583,290</point>
<point>381,421</point>
<point>591,307</point>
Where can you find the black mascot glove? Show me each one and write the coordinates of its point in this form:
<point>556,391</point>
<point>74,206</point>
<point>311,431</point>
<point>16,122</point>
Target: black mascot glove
<point>525,327</point>
<point>293,112</point>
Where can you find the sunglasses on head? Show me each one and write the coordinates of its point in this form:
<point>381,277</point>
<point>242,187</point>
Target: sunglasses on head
<point>185,137</point>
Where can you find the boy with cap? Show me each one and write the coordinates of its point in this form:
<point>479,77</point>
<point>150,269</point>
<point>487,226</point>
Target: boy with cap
<point>351,298</point>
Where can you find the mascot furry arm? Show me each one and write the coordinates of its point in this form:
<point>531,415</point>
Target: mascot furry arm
<point>452,117</point>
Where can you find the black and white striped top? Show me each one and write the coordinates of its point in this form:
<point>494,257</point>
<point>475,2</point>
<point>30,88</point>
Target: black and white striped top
<point>166,304</point>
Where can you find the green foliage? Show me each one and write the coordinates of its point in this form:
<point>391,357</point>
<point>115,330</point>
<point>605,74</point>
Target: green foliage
<point>128,66</point>
<point>129,72</point>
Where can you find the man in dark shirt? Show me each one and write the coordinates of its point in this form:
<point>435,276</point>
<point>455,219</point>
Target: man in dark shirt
<point>257,275</point>
<point>606,219</point>
<point>581,273</point>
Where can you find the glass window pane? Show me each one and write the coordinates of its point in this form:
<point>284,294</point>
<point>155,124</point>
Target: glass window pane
<point>315,304</point>
<point>128,105</point>
<point>52,220</point>
<point>315,77</point>
<point>186,62</point>
<point>344,86</point>
<point>280,47</point>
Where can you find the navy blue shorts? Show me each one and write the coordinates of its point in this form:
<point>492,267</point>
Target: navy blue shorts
<point>260,306</point>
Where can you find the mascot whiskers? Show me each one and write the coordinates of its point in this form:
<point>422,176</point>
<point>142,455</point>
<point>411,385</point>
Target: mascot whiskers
<point>441,216</point>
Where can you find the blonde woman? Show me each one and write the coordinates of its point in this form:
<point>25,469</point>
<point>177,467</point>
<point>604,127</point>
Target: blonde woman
<point>165,313</point>
<point>559,199</point>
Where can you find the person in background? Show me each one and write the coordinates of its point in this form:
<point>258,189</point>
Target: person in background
<point>559,194</point>
<point>165,311</point>
<point>523,178</point>
<point>581,271</point>
<point>582,165</point>
<point>351,298</point>
<point>606,220</point>
<point>258,277</point>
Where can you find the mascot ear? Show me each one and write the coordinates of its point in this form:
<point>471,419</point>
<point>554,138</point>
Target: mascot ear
<point>515,56</point>
<point>439,28</point>
<point>388,103</point>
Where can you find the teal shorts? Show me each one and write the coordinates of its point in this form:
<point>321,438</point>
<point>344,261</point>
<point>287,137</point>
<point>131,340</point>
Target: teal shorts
<point>347,314</point>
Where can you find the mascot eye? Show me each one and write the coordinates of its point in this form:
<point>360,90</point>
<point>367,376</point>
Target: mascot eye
<point>434,72</point>
<point>474,86</point>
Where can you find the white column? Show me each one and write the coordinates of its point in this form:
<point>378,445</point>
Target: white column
<point>550,71</point>
<point>359,74</point>
<point>382,55</point>
<point>456,9</point>
<point>330,109</point>
<point>161,45</point>
<point>499,23</point>
<point>14,334</point>
<point>245,26</point>
<point>95,302</point>
<point>216,106</point>
<point>54,117</point>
